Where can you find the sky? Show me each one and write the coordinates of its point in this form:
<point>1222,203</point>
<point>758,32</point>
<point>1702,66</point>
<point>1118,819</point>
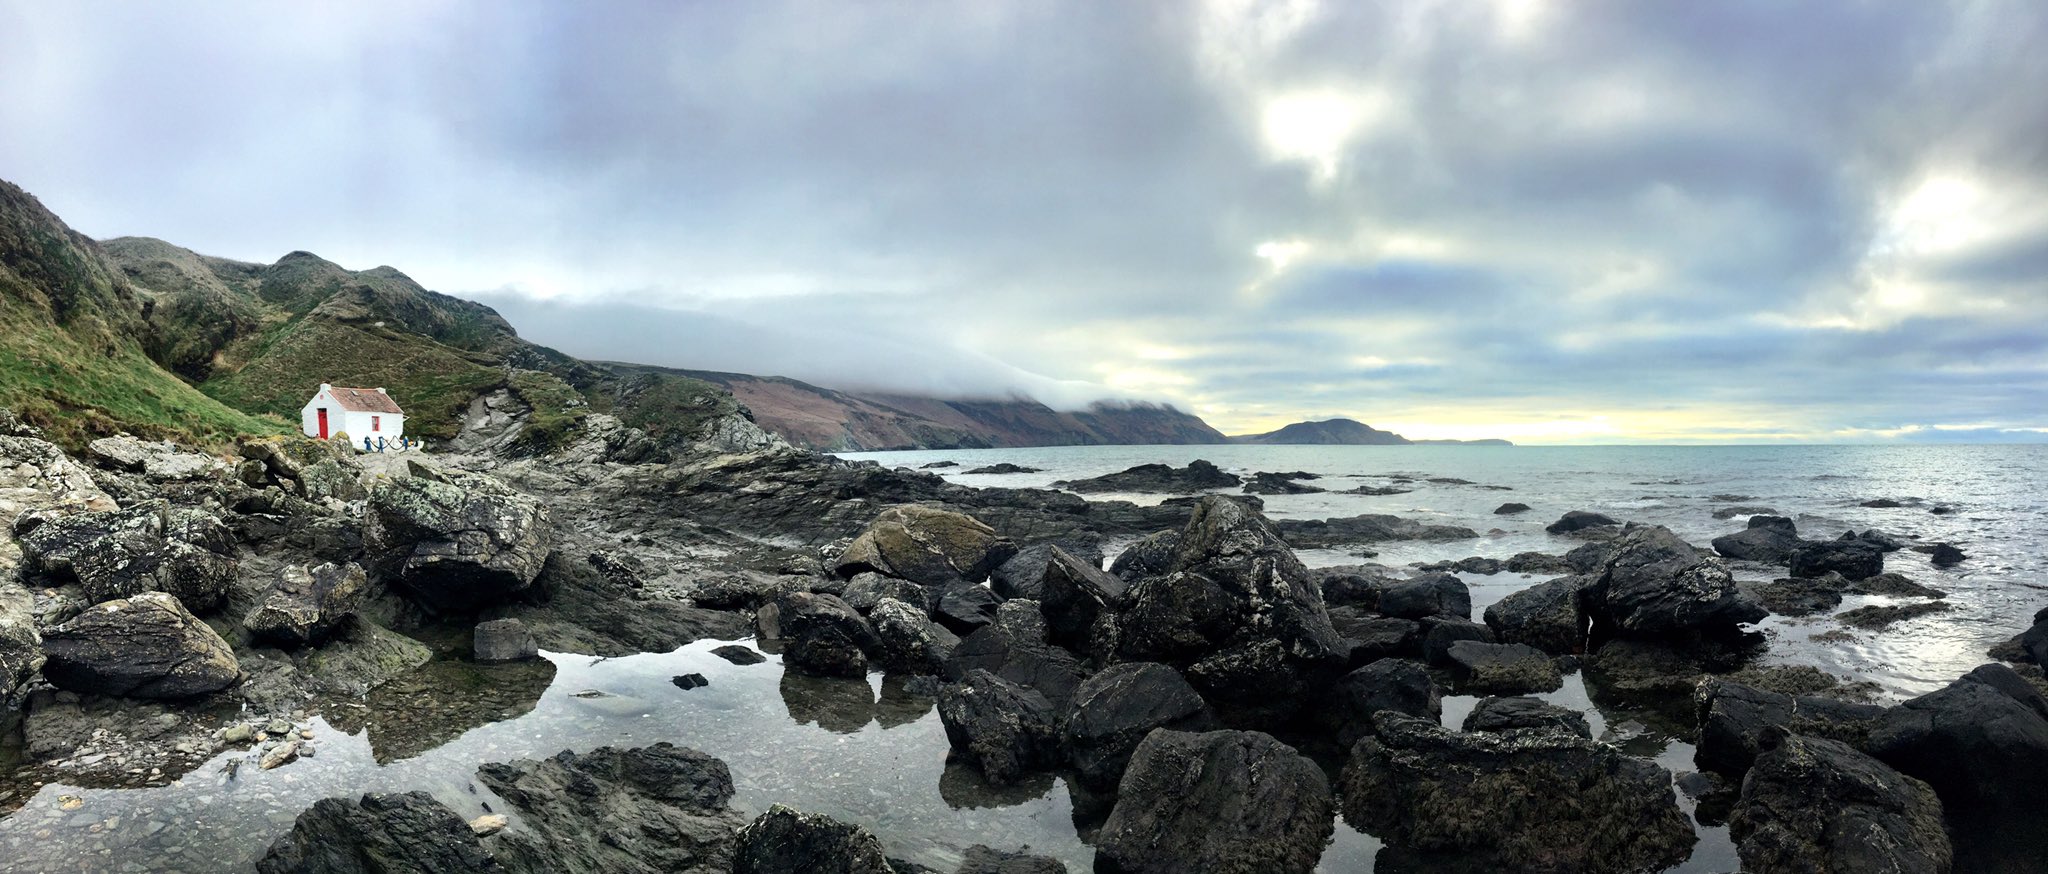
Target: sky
<point>1545,221</point>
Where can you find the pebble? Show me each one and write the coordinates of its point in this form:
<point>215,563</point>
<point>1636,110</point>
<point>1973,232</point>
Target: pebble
<point>281,755</point>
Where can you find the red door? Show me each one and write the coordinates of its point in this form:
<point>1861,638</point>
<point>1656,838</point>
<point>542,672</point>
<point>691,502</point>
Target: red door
<point>323,423</point>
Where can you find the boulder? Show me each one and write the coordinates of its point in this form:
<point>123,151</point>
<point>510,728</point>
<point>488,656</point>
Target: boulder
<point>503,640</point>
<point>1075,596</point>
<point>1428,595</point>
<point>1376,637</point>
<point>1853,559</point>
<point>21,643</point>
<point>408,833</point>
<point>654,808</point>
<point>1510,508</point>
<point>824,636</point>
<point>1392,684</point>
<point>1546,616</point>
<point>1503,668</point>
<point>906,640</point>
<point>867,589</point>
<point>1002,728</point>
<point>1579,520</point>
<point>1198,476</point>
<point>158,461</point>
<point>1768,539</point>
<point>1525,800</point>
<point>1540,563</point>
<point>1945,555</point>
<point>1737,720</point>
<point>1114,710</point>
<point>307,604</point>
<point>966,607</point>
<point>1353,590</point>
<point>147,646</point>
<point>787,841</point>
<point>927,546</point>
<point>1800,596</point>
<point>1656,584</point>
<point>119,553</point>
<point>1816,806</point>
<point>1505,714</point>
<point>1228,802</point>
<point>1265,483</point>
<point>1015,647</point>
<point>1982,743</point>
<point>1441,632</point>
<point>461,544</point>
<point>1020,576</point>
<point>1149,557</point>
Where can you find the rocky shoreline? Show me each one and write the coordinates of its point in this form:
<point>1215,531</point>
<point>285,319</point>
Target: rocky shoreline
<point>1210,702</point>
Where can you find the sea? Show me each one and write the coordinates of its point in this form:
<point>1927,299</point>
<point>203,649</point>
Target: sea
<point>873,751</point>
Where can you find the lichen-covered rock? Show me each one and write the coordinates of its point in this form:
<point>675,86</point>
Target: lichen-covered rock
<point>1816,806</point>
<point>1015,647</point>
<point>147,646</point>
<point>463,543</point>
<point>1656,584</point>
<point>1503,714</point>
<point>1853,559</point>
<point>1115,709</point>
<point>21,644</point>
<point>307,605</point>
<point>1546,616</point>
<point>1076,597</point>
<point>1503,668</point>
<point>1148,557</point>
<point>826,638</point>
<point>1735,721</point>
<point>1522,800</point>
<point>867,589</point>
<point>927,546</point>
<point>407,833</point>
<point>157,461</point>
<point>1002,728</point>
<point>906,640</point>
<point>119,553</point>
<point>787,841</point>
<point>1225,802</point>
<point>655,808</point>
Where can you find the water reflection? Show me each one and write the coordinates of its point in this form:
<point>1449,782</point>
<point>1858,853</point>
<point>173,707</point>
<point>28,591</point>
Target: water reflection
<point>962,787</point>
<point>439,702</point>
<point>836,704</point>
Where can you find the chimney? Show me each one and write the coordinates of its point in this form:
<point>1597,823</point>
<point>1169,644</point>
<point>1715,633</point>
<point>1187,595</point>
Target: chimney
<point>325,386</point>
<point>381,391</point>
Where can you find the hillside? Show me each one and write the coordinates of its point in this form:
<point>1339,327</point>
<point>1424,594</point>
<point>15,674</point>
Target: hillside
<point>827,419</point>
<point>1346,432</point>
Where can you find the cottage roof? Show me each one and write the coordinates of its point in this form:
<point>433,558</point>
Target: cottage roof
<point>365,400</point>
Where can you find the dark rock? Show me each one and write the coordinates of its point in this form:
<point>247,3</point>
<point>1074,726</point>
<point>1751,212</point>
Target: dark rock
<point>1546,616</point>
<point>1893,584</point>
<point>1503,714</point>
<point>407,833</point>
<point>1876,618</point>
<point>1376,637</point>
<point>503,640</point>
<point>1510,508</point>
<point>1636,669</point>
<point>307,605</point>
<point>1368,528</point>
<point>1799,596</point>
<point>1657,584</point>
<point>1388,684</point>
<point>1198,476</point>
<point>1004,729</point>
<point>1590,558</point>
<point>461,544</point>
<point>655,808</point>
<point>1440,632</point>
<point>1114,710</point>
<point>964,608</point>
<point>1579,520</point>
<point>938,464</point>
<point>744,590</point>
<point>927,546</point>
<point>1022,575</point>
<point>868,588</point>
<point>1426,596</point>
<point>1149,557</point>
<point>1005,467</point>
<point>1816,805</point>
<point>1768,539</point>
<point>825,637</point>
<point>907,641</point>
<point>1076,596</point>
<point>686,682</point>
<point>1223,801</point>
<point>1732,512</point>
<point>1853,559</point>
<point>1522,800</point>
<point>147,646</point>
<point>1015,647</point>
<point>1538,563</point>
<point>1478,565</point>
<point>1735,720</point>
<point>122,553</point>
<point>1277,484</point>
<point>1881,504</point>
<point>982,860</point>
<point>1946,555</point>
<point>1503,668</point>
<point>1360,590</point>
<point>786,841</point>
<point>1982,743</point>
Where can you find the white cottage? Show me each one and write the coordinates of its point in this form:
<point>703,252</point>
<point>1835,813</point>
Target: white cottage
<point>360,412</point>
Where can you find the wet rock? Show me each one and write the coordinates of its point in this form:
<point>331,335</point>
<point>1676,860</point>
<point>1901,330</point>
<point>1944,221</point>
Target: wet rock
<point>407,833</point>
<point>1878,618</point>
<point>1114,710</point>
<point>1022,575</point>
<point>1510,508</point>
<point>1376,637</point>
<point>907,641</point>
<point>1894,585</point>
<point>1946,555</point>
<point>1635,669</point>
<point>825,637</point>
<point>927,546</point>
<point>786,841</point>
<point>1441,632</point>
<point>1198,476</point>
<point>1426,596</point>
<point>1982,743</point>
<point>738,655</point>
<point>1504,714</point>
<point>1744,510</point>
<point>1015,647</point>
<point>1853,559</point>
<point>1357,590</point>
<point>1815,805</point>
<point>1579,520</point>
<point>1368,528</point>
<point>686,682</point>
<point>1004,467</point>
<point>655,808</point>
<point>1522,800</point>
<point>744,590</point>
<point>1768,539</point>
<point>982,860</point>
<point>1546,616</point>
<point>1538,563</point>
<point>1264,483</point>
<point>1075,597</point>
<point>867,589</point>
<point>1800,596</point>
<point>307,604</point>
<point>461,544</point>
<point>1736,720</point>
<point>1657,584</point>
<point>503,640</point>
<point>964,608</point>
<point>1221,801</point>
<point>1392,684</point>
<point>147,646</point>
<point>938,464</point>
<point>1149,557</point>
<point>1503,668</point>
<point>1004,729</point>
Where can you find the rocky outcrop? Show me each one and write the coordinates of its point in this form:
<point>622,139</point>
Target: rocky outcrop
<point>1506,714</point>
<point>1546,616</point>
<point>906,640</point>
<point>1982,743</point>
<point>1521,800</point>
<point>788,841</point>
<point>1815,806</point>
<point>157,461</point>
<point>1442,632</point>
<point>1656,584</point>
<point>1768,539</point>
<point>1266,483</point>
<point>1736,722</point>
<point>462,541</point>
<point>1149,557</point>
<point>655,808</point>
<point>826,638</point>
<point>1579,520</point>
<point>1016,648</point>
<point>116,554</point>
<point>407,833</point>
<point>147,646</point>
<point>1228,802</point>
<point>307,605</point>
<point>927,546</point>
<point>1002,728</point>
<point>1114,710</point>
<point>1391,684</point>
<point>1853,559</point>
<point>1198,476</point>
<point>1367,528</point>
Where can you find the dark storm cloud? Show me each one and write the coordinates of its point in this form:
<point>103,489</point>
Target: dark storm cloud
<point>1820,215</point>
